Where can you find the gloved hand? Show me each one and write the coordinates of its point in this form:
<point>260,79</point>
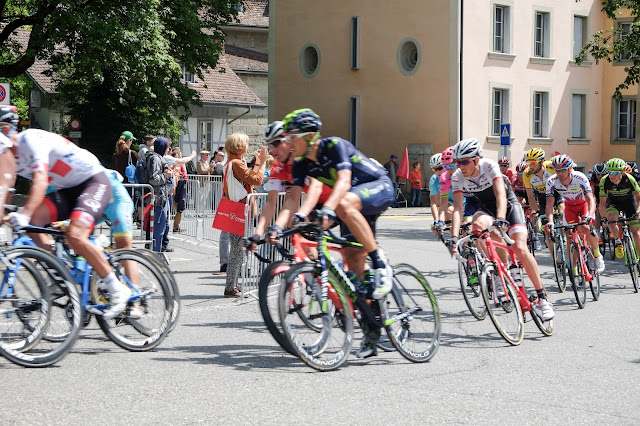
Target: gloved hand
<point>500,223</point>
<point>589,219</point>
<point>300,218</point>
<point>273,233</point>
<point>550,227</point>
<point>19,220</point>
<point>438,225</point>
<point>251,242</point>
<point>328,217</point>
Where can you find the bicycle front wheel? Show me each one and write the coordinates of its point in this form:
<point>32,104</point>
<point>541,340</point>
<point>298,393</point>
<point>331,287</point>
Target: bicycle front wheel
<point>505,311</point>
<point>412,316</point>
<point>579,283</point>
<point>630,256</point>
<point>321,336</point>
<point>151,294</point>
<point>594,284</point>
<point>469,278</point>
<point>268,289</point>
<point>27,343</point>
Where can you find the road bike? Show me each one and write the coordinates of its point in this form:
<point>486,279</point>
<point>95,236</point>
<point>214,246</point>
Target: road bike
<point>582,260</point>
<point>630,252</point>
<point>470,261</point>
<point>531,230</point>
<point>328,297</point>
<point>560,258</point>
<point>506,300</point>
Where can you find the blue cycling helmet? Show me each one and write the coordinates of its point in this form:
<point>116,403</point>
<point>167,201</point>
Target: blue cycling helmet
<point>302,120</point>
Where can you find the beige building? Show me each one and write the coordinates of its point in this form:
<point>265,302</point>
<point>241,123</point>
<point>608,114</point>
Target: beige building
<point>386,75</point>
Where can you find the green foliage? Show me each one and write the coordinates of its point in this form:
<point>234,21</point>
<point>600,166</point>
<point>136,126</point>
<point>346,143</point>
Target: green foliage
<point>612,45</point>
<point>118,64</point>
<point>20,94</point>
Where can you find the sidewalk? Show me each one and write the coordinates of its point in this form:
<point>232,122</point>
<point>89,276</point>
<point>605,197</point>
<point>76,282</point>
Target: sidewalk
<point>408,211</point>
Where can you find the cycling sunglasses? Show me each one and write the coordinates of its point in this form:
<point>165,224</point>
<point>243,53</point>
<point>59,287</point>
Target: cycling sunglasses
<point>533,163</point>
<point>463,162</point>
<point>562,170</point>
<point>450,166</point>
<point>612,173</point>
<point>274,144</point>
<point>437,169</point>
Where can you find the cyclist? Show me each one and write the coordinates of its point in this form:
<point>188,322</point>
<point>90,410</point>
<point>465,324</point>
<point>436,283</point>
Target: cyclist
<point>535,179</point>
<point>504,164</point>
<point>518,184</point>
<point>619,191</point>
<point>446,195</point>
<point>574,188</point>
<point>83,193</point>
<point>598,171</point>
<point>434,191</point>
<point>499,206</point>
<point>634,170</point>
<point>361,192</point>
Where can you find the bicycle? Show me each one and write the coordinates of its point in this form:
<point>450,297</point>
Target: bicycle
<point>560,259</point>
<point>582,259</point>
<point>325,344</point>
<point>531,230</point>
<point>630,252</point>
<point>507,313</point>
<point>39,308</point>
<point>606,242</point>
<point>154,298</point>
<point>470,261</point>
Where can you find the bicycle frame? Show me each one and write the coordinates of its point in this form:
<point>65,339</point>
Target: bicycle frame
<point>579,239</point>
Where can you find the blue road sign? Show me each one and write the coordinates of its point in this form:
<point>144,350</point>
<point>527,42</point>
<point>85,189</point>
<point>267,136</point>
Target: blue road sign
<point>505,134</point>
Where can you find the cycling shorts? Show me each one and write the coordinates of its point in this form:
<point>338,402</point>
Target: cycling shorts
<point>471,206</point>
<point>346,233</point>
<point>520,194</point>
<point>85,202</point>
<point>376,196</point>
<point>629,207</point>
<point>542,200</point>
<point>574,211</point>
<point>120,211</point>
<point>515,217</point>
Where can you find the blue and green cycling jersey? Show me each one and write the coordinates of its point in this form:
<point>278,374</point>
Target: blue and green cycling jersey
<point>335,154</point>
<point>434,187</point>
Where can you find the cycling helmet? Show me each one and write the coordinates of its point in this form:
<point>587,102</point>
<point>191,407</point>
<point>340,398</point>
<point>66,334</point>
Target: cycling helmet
<point>616,165</point>
<point>628,170</point>
<point>273,130</point>
<point>302,120</point>
<point>562,162</point>
<point>521,167</point>
<point>504,161</point>
<point>599,169</point>
<point>435,161</point>
<point>633,165</point>
<point>8,119</point>
<point>534,154</point>
<point>447,156</point>
<point>468,148</point>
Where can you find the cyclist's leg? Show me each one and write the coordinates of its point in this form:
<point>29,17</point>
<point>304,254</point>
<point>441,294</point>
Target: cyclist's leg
<point>518,232</point>
<point>613,215</point>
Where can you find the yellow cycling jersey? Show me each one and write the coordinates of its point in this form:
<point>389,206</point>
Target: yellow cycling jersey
<point>532,180</point>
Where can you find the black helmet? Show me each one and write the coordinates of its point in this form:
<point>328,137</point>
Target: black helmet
<point>8,117</point>
<point>302,120</point>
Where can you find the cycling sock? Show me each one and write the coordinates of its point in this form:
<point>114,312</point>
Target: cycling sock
<point>111,282</point>
<point>575,270</point>
<point>376,261</point>
<point>541,294</point>
<point>618,242</point>
<point>596,252</point>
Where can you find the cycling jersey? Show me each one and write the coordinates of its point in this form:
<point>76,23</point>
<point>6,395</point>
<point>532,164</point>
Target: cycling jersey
<point>533,181</point>
<point>281,178</point>
<point>518,185</point>
<point>573,192</point>
<point>510,174</point>
<point>623,190</point>
<point>66,164</point>
<point>434,185</point>
<point>445,186</point>
<point>120,209</point>
<point>5,143</point>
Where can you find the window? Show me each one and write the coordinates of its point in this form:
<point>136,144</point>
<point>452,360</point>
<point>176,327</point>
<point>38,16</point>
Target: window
<point>542,35</point>
<point>501,28</point>
<point>626,116</point>
<point>500,110</point>
<point>540,115</point>
<point>579,34</point>
<point>354,120</point>
<point>578,116</point>
<point>355,43</point>
<point>309,60</point>
<point>408,56</point>
<point>206,135</point>
<point>623,29</point>
<point>187,76</point>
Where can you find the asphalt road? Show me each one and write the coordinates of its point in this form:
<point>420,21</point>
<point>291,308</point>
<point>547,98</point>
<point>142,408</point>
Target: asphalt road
<point>221,366</point>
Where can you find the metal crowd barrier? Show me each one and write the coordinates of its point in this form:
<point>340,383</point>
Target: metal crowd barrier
<point>203,196</point>
<point>141,199</point>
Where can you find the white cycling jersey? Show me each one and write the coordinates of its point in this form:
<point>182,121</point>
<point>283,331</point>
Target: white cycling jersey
<point>482,185</point>
<point>66,164</point>
<point>574,191</point>
<point>5,143</point>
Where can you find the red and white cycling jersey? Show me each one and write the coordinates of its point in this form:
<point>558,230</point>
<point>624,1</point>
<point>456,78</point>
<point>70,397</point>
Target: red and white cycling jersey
<point>573,192</point>
<point>281,178</point>
<point>66,164</point>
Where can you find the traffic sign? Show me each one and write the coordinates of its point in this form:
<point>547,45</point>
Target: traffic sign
<point>5,94</point>
<point>75,124</point>
<point>505,134</point>
<point>75,135</point>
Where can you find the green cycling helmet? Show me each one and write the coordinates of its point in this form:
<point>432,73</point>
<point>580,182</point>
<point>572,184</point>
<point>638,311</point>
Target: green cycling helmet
<point>616,165</point>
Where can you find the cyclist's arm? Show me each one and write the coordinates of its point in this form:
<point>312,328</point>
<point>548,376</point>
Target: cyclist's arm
<point>290,205</point>
<point>592,203</point>
<point>342,186</point>
<point>314,191</point>
<point>637,195</point>
<point>550,188</point>
<point>443,206</point>
<point>501,197</point>
<point>39,184</point>
<point>7,177</point>
<point>532,200</point>
<point>434,205</point>
<point>456,220</point>
<point>268,210</point>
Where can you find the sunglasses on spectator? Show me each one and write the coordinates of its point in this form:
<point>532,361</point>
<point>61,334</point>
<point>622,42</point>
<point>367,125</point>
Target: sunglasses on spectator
<point>463,162</point>
<point>274,144</point>
<point>437,169</point>
<point>612,173</point>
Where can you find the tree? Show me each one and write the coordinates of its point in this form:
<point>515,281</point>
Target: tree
<point>117,64</point>
<point>612,44</point>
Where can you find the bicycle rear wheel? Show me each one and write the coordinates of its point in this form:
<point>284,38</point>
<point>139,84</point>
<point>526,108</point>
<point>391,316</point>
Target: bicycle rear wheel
<point>268,290</point>
<point>604,239</point>
<point>612,246</point>
<point>578,284</point>
<point>29,343</point>
<point>631,261</point>
<point>321,338</point>
<point>151,292</point>
<point>505,312</point>
<point>412,315</point>
<point>560,267</point>
<point>531,243</point>
<point>471,290</point>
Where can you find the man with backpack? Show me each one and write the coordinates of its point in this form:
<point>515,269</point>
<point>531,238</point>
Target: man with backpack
<point>159,175</point>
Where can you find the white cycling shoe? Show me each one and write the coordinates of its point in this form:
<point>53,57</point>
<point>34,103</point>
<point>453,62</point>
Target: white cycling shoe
<point>117,303</point>
<point>383,282</point>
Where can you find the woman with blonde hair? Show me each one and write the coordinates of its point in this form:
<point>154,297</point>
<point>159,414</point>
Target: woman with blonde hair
<point>124,156</point>
<point>238,184</point>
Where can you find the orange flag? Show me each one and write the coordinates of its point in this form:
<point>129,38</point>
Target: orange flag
<point>403,170</point>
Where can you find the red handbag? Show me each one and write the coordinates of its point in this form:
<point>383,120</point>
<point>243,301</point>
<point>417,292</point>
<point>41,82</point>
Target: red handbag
<point>229,215</point>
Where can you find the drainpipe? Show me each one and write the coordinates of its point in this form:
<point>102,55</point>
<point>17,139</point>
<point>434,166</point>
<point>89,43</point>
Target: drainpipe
<point>461,44</point>
<point>244,113</point>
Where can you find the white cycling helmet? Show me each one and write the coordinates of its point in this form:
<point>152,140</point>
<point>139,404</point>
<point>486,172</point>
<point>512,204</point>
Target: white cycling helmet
<point>468,148</point>
<point>435,161</point>
<point>273,130</point>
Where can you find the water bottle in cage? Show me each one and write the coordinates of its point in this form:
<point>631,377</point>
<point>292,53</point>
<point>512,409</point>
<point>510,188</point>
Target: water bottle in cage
<point>514,270</point>
<point>79,265</point>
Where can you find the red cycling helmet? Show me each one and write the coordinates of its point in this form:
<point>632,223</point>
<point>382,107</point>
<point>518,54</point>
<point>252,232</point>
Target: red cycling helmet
<point>447,156</point>
<point>521,167</point>
<point>504,161</point>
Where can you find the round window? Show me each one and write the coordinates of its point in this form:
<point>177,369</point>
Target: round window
<point>309,60</point>
<point>408,56</point>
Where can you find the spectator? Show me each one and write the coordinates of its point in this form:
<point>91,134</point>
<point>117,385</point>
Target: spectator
<point>204,169</point>
<point>238,183</point>
<point>415,177</point>
<point>267,172</point>
<point>180,197</point>
<point>392,171</point>
<point>160,176</point>
<point>148,140</point>
<point>124,155</point>
<point>218,163</point>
